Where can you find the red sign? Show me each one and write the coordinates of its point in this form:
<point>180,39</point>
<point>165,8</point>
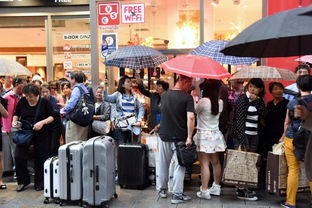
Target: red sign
<point>108,13</point>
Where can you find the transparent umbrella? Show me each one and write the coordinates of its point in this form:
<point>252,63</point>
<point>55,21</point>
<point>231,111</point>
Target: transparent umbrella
<point>11,68</point>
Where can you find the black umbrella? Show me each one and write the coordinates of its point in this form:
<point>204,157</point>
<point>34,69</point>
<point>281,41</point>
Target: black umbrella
<point>287,33</point>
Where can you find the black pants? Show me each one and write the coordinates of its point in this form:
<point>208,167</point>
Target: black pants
<point>41,141</point>
<point>55,135</point>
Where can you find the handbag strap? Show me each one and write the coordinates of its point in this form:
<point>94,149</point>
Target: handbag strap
<point>37,110</point>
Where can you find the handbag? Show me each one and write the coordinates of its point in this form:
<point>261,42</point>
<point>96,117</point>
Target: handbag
<point>241,168</point>
<point>186,155</point>
<point>125,121</point>
<point>101,127</point>
<point>24,136</point>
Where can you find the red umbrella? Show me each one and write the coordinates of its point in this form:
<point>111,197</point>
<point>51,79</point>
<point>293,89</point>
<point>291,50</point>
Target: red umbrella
<point>196,67</point>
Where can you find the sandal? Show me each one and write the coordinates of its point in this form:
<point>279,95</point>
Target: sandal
<point>3,186</point>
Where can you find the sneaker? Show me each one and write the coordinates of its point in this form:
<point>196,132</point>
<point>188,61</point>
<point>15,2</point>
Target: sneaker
<point>163,193</point>
<point>215,189</point>
<point>179,199</point>
<point>284,204</point>
<point>246,194</point>
<point>203,194</point>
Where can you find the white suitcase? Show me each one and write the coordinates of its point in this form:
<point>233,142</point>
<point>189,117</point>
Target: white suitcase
<point>51,179</point>
<point>70,160</point>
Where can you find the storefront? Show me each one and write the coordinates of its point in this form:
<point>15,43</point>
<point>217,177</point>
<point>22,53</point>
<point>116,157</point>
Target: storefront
<point>53,37</point>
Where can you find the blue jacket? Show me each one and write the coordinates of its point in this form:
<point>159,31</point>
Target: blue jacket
<point>74,98</point>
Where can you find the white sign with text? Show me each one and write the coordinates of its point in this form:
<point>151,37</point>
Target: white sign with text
<point>132,13</point>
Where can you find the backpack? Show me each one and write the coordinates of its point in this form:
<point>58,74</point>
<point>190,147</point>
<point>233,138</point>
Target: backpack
<point>83,111</point>
<point>301,137</point>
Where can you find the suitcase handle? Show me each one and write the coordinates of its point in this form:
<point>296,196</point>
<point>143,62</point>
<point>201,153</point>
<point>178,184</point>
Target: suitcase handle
<point>97,174</point>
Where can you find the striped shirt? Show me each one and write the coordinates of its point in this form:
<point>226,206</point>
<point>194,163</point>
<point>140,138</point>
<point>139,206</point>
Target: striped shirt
<point>252,121</point>
<point>128,105</point>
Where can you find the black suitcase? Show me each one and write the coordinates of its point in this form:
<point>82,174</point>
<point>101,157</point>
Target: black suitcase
<point>132,166</point>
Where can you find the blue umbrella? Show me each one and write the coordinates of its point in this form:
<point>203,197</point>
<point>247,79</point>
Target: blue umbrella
<point>212,50</point>
<point>135,57</point>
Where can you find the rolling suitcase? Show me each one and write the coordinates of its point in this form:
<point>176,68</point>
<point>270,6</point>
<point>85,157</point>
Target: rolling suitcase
<point>70,161</point>
<point>51,179</point>
<point>132,160</point>
<point>98,171</point>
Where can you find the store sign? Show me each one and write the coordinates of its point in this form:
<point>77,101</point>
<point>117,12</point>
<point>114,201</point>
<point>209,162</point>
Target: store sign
<point>68,64</point>
<point>108,13</point>
<point>109,43</point>
<point>132,13</point>
<point>83,65</point>
<point>67,55</point>
<point>76,36</point>
<point>45,3</point>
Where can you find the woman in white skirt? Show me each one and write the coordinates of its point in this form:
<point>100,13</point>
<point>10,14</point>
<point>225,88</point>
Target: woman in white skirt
<point>209,140</point>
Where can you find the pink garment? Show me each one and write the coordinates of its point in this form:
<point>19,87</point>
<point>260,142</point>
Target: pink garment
<point>59,98</point>
<point>12,101</point>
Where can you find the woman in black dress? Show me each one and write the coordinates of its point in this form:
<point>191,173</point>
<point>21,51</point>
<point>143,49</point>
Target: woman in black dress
<point>25,111</point>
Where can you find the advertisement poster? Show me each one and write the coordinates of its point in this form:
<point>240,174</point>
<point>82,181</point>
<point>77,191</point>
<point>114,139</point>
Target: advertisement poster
<point>132,13</point>
<point>109,43</point>
<point>108,13</point>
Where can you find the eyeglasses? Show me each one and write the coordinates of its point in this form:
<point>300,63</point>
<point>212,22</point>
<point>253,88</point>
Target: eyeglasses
<point>240,82</point>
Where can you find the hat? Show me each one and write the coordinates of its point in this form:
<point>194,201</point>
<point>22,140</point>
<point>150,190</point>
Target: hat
<point>37,78</point>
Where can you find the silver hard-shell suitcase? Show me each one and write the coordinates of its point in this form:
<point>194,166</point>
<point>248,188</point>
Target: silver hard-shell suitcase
<point>70,160</point>
<point>51,179</point>
<point>99,171</point>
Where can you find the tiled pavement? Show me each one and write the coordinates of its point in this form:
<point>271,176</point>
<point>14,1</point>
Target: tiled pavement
<point>148,198</point>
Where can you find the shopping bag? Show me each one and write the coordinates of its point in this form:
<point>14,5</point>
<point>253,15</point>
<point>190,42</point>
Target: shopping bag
<point>278,149</point>
<point>241,168</point>
<point>276,175</point>
<point>151,140</point>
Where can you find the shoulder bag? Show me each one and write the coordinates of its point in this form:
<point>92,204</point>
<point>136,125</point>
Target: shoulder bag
<point>24,136</point>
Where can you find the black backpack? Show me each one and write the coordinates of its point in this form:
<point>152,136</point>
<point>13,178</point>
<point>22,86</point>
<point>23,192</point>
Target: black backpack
<point>83,111</point>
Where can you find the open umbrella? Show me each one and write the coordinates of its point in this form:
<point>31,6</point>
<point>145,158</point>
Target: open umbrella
<point>212,50</point>
<point>135,57</point>
<point>12,68</point>
<point>196,66</point>
<point>264,72</point>
<point>283,34</point>
<point>306,59</point>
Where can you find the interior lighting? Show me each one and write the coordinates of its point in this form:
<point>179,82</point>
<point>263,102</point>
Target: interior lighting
<point>214,2</point>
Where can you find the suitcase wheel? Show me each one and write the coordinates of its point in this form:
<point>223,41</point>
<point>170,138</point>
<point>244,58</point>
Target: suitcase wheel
<point>61,203</point>
<point>46,201</point>
<point>57,201</point>
<point>115,195</point>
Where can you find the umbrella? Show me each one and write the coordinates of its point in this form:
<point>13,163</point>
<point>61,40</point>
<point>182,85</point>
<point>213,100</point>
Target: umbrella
<point>11,68</point>
<point>212,50</point>
<point>264,72</point>
<point>135,57</point>
<point>306,59</point>
<point>283,34</point>
<point>196,66</point>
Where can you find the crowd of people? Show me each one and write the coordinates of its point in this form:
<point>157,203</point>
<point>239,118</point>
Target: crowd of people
<point>225,118</point>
